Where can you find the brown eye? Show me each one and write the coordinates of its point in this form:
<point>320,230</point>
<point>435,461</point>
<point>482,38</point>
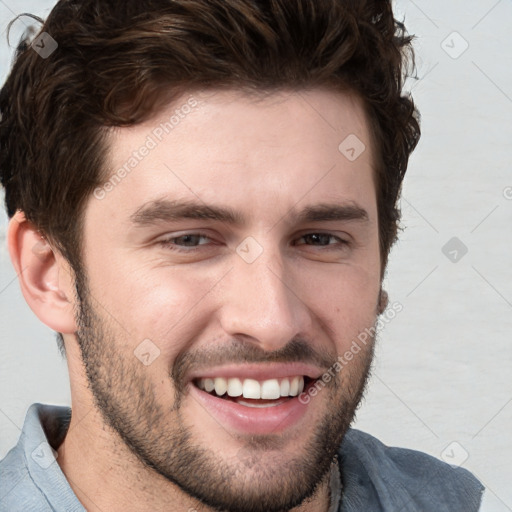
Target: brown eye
<point>321,239</point>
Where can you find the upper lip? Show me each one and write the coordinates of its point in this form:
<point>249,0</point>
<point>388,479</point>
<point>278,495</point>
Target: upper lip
<point>259,371</point>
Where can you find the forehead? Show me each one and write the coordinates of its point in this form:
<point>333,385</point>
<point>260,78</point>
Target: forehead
<point>265,153</point>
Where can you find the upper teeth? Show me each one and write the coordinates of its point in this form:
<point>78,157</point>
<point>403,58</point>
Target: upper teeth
<point>250,388</point>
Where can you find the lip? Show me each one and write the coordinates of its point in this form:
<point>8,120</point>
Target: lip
<point>259,372</point>
<point>248,420</point>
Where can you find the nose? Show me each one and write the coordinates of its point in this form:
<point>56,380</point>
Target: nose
<point>261,303</point>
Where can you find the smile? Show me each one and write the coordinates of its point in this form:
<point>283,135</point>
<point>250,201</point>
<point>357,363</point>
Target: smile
<point>270,389</point>
<point>254,398</point>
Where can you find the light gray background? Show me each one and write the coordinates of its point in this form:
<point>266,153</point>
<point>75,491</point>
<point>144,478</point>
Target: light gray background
<point>443,371</point>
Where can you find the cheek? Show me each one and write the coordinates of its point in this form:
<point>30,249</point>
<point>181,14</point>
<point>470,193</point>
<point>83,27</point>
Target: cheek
<point>345,299</point>
<point>162,304</point>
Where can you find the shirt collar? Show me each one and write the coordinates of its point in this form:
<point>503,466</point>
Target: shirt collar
<point>335,486</point>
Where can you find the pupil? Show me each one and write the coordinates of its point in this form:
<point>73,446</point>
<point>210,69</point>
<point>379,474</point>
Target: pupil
<point>188,239</point>
<point>318,237</point>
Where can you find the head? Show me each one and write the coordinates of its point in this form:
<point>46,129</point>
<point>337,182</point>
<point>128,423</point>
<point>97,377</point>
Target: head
<point>269,128</point>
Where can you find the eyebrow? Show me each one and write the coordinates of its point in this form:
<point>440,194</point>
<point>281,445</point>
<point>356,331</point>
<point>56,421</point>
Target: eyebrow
<point>164,210</point>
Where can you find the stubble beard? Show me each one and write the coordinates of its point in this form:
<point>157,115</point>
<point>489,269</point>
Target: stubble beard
<point>259,480</point>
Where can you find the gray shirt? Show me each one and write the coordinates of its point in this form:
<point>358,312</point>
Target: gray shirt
<point>371,478</point>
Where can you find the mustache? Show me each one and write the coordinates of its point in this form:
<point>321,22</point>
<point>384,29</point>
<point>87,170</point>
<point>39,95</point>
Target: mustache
<point>238,352</point>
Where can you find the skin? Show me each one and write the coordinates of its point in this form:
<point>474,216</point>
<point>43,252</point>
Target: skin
<point>266,158</point>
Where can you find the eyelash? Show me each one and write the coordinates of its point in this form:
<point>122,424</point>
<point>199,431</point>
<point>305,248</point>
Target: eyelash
<point>169,242</point>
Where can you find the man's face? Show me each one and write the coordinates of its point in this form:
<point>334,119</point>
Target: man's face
<point>176,304</point>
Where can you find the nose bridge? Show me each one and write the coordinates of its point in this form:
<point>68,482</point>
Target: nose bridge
<point>260,303</point>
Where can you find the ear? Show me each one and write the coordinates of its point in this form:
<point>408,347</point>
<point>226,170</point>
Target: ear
<point>383,301</point>
<point>45,276</point>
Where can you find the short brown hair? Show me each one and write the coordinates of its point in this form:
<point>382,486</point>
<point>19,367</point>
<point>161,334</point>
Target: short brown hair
<point>116,62</point>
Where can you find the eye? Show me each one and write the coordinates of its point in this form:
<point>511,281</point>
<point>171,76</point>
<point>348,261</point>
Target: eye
<point>322,239</point>
<point>190,240</point>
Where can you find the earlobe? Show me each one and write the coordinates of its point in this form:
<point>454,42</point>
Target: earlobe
<point>45,278</point>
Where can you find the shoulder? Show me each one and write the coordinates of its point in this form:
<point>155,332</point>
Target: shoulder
<point>30,477</point>
<point>402,479</point>
<point>17,488</point>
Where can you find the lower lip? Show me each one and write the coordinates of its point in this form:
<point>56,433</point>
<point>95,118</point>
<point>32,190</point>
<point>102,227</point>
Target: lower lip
<point>251,420</point>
